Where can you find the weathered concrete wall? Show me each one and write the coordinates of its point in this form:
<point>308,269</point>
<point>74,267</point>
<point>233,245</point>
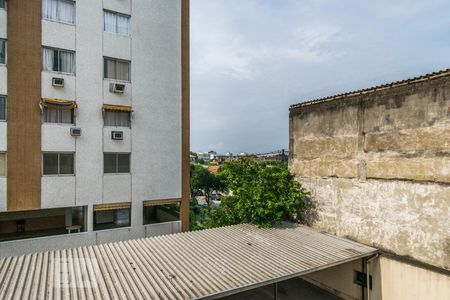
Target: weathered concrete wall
<point>378,167</point>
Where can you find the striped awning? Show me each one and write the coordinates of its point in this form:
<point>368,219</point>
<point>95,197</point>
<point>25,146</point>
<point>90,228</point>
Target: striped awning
<point>161,202</point>
<point>112,206</point>
<point>59,104</point>
<point>117,107</point>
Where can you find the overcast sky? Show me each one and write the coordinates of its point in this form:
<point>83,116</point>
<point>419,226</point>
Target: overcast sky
<point>252,59</point>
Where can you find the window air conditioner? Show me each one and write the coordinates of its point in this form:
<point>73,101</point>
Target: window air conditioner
<point>75,131</point>
<point>118,88</point>
<point>58,82</point>
<point>117,135</point>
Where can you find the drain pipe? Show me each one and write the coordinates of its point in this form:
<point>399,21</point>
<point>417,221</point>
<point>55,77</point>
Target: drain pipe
<point>368,260</point>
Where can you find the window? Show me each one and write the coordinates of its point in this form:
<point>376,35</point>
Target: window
<point>2,52</point>
<point>58,164</point>
<point>117,118</point>
<point>116,23</point>
<point>2,4</point>
<point>50,115</point>
<point>116,162</point>
<point>58,60</point>
<point>116,69</point>
<point>2,108</point>
<point>112,217</point>
<point>59,10</point>
<point>2,164</point>
<point>161,213</point>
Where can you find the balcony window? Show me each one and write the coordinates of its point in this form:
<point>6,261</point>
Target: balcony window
<point>55,60</point>
<point>117,118</point>
<point>50,115</point>
<point>2,52</point>
<point>59,10</point>
<point>58,164</point>
<point>3,108</point>
<point>116,69</point>
<point>109,216</point>
<point>116,23</point>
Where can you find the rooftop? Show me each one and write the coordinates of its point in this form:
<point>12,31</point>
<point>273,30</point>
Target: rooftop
<point>430,76</point>
<point>201,264</point>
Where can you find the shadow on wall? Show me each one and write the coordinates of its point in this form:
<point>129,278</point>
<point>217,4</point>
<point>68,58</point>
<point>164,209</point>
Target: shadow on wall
<point>310,215</point>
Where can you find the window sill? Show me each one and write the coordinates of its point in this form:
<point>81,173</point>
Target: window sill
<point>113,174</point>
<point>63,176</point>
<point>117,34</point>
<point>59,124</point>
<point>59,73</point>
<point>114,228</point>
<point>59,22</point>
<point>116,80</point>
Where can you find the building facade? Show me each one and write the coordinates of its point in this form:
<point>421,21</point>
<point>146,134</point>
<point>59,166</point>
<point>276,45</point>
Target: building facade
<point>94,121</point>
<point>377,164</point>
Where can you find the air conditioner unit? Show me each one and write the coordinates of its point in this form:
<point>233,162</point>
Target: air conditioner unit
<point>118,88</point>
<point>117,135</point>
<point>75,131</point>
<point>58,82</point>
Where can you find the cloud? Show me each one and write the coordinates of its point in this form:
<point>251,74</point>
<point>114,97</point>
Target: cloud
<point>252,59</point>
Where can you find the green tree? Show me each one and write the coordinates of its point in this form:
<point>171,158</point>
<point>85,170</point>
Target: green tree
<point>205,183</point>
<point>261,194</point>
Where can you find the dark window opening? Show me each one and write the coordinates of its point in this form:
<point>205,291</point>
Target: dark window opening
<point>360,279</point>
<point>116,163</point>
<point>114,218</point>
<point>41,223</point>
<point>58,164</point>
<point>161,213</point>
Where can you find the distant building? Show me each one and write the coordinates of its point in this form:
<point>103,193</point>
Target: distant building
<point>377,164</point>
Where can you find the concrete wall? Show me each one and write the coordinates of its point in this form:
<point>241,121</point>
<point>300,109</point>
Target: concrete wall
<point>378,167</point>
<point>404,281</point>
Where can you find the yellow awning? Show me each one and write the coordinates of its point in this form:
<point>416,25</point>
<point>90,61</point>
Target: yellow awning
<point>117,107</point>
<point>161,202</point>
<point>59,104</point>
<point>112,206</point>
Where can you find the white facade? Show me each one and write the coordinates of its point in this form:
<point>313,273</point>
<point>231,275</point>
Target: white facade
<point>154,139</point>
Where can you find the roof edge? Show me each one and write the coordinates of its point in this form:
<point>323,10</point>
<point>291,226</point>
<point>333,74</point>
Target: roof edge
<point>417,79</point>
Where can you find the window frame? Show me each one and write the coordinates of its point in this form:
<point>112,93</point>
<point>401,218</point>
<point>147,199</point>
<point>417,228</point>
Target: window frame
<point>117,163</point>
<point>59,50</point>
<point>115,119</point>
<point>59,164</point>
<point>110,225</point>
<point>6,51</point>
<point>73,117</point>
<point>73,2</point>
<point>6,108</point>
<point>5,170</point>
<point>116,60</point>
<point>116,14</point>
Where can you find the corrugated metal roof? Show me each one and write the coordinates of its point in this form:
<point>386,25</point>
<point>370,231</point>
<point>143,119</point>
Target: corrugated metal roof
<point>201,264</point>
<point>422,78</point>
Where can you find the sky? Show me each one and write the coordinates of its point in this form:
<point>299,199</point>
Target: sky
<point>252,59</point>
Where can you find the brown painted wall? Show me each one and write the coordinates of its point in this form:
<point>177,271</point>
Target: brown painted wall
<point>378,166</point>
<point>185,77</point>
<point>24,92</point>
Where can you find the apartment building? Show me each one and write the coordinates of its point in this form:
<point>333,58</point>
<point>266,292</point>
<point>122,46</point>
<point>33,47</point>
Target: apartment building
<point>94,121</point>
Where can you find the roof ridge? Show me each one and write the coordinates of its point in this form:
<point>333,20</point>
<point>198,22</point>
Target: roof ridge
<point>427,76</point>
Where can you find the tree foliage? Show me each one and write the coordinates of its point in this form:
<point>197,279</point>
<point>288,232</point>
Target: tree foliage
<point>260,193</point>
<point>205,183</point>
